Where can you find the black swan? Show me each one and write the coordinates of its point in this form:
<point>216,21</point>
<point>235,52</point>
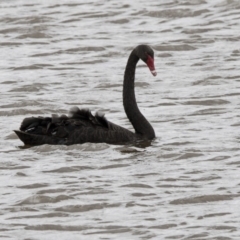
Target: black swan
<point>81,126</point>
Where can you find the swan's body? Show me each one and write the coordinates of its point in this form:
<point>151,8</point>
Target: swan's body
<point>81,126</point>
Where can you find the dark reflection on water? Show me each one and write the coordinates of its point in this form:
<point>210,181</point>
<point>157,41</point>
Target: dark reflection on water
<point>25,147</point>
<point>139,144</point>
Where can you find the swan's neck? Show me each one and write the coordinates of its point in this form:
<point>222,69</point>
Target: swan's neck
<point>139,122</point>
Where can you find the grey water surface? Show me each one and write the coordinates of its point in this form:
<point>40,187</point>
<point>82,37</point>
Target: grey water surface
<point>60,54</point>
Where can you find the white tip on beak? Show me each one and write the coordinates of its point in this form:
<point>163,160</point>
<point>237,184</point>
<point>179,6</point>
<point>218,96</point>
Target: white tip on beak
<point>154,73</point>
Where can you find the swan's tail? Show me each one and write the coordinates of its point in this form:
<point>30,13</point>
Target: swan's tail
<point>34,139</point>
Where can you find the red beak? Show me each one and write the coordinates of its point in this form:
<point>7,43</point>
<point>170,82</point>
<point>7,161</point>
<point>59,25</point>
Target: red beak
<point>150,64</point>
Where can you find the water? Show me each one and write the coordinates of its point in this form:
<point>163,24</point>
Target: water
<point>59,54</point>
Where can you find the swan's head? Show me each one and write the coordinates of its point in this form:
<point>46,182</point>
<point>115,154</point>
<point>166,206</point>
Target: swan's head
<point>146,53</point>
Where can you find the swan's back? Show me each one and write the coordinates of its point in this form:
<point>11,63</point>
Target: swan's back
<point>79,127</point>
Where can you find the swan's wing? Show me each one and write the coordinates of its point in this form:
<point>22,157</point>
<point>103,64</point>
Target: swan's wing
<point>79,127</point>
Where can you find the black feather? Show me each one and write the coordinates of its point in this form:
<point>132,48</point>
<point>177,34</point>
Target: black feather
<point>101,119</point>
